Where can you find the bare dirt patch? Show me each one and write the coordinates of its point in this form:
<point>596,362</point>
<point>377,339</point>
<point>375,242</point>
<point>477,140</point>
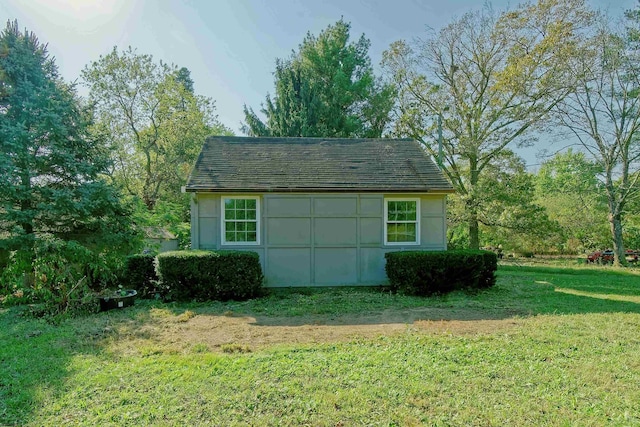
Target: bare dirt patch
<point>185,332</point>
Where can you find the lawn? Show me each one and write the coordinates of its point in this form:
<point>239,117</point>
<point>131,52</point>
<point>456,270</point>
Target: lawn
<point>545,346</point>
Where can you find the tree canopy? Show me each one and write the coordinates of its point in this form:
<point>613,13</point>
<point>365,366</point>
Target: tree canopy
<point>325,89</point>
<point>151,119</point>
<point>602,112</point>
<point>567,187</point>
<point>51,167</point>
<point>491,80</point>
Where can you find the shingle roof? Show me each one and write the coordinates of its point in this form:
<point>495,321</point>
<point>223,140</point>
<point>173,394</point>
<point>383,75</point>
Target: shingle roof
<point>241,164</point>
<point>158,233</point>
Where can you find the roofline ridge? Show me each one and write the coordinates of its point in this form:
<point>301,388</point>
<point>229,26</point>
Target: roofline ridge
<point>303,139</point>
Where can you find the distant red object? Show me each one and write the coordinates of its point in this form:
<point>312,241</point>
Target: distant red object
<point>607,257</point>
<point>600,257</point>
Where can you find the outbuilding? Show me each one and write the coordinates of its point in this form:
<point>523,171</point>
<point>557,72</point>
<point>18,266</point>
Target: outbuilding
<point>318,211</point>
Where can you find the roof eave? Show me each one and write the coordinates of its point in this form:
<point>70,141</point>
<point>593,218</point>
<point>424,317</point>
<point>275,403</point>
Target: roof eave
<point>320,190</point>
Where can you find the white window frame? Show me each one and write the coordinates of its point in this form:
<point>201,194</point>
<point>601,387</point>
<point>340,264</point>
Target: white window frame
<point>223,220</point>
<point>416,222</point>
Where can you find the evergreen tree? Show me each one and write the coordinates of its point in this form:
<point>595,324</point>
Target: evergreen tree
<point>326,89</point>
<point>50,168</point>
<point>183,76</point>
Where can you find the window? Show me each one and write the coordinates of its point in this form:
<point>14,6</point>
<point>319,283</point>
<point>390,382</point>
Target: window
<point>240,221</point>
<point>402,221</point>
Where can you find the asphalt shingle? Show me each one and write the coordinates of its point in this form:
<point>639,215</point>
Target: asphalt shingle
<point>242,164</point>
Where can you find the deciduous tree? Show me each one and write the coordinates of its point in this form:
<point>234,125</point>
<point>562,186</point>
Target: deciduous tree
<point>152,120</point>
<point>492,81</point>
<point>603,113</point>
<point>567,187</point>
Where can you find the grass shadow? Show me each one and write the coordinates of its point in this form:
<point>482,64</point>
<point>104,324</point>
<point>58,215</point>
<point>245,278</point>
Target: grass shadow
<point>37,359</point>
<point>520,291</point>
<point>34,362</point>
<point>541,290</point>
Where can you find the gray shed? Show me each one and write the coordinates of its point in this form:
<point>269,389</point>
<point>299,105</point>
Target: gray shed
<point>319,212</point>
<point>159,239</point>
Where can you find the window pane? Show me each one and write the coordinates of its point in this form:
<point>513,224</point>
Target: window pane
<point>251,226</point>
<point>393,236</point>
<point>391,211</point>
<point>402,211</point>
<point>229,204</point>
<point>229,214</point>
<point>411,233</point>
<point>240,214</point>
<point>251,214</point>
<point>230,236</point>
<point>401,232</point>
<point>251,236</point>
<point>251,204</point>
<point>230,226</point>
<point>240,226</point>
<point>391,232</point>
<point>411,211</point>
<point>240,203</point>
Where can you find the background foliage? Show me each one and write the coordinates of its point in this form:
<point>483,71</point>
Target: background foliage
<point>64,226</point>
<point>82,179</point>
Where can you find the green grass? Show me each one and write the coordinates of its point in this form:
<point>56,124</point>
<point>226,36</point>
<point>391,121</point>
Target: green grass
<point>568,355</point>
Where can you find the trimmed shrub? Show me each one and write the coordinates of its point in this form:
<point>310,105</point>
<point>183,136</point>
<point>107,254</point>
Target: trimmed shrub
<point>205,275</point>
<point>489,267</point>
<point>140,274</point>
<point>431,272</point>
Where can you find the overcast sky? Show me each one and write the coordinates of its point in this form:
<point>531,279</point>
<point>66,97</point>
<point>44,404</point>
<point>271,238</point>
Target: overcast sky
<point>229,46</point>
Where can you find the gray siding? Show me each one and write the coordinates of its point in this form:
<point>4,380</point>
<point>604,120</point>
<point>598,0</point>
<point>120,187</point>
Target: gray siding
<point>320,239</point>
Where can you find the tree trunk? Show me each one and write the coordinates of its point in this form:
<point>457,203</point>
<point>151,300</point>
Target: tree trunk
<point>474,234</point>
<point>26,205</point>
<point>149,202</point>
<point>615,223</point>
<point>472,204</point>
<point>615,220</point>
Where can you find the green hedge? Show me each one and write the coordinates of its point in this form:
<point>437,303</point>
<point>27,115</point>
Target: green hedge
<point>431,272</point>
<point>205,275</point>
<point>489,267</point>
<point>140,274</point>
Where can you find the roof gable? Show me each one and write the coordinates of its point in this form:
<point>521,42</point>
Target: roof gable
<point>242,164</point>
